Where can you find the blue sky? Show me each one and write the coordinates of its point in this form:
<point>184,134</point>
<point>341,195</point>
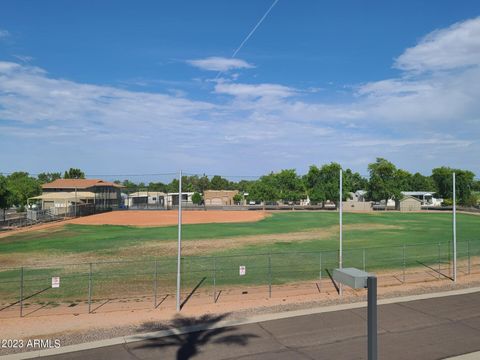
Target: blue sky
<point>117,87</point>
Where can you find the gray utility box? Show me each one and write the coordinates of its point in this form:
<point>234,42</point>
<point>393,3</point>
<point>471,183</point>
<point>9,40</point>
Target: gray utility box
<point>356,279</point>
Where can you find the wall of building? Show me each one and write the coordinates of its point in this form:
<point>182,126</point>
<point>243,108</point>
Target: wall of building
<point>219,197</point>
<point>410,204</point>
<point>350,205</point>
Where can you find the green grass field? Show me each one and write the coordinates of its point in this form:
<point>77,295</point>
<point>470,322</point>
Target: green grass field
<point>378,229</point>
<point>427,238</point>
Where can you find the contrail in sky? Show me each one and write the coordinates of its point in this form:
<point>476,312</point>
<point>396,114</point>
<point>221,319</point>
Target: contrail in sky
<point>254,28</point>
<point>251,33</point>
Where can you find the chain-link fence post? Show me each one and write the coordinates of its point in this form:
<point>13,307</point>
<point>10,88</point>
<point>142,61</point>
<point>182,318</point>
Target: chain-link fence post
<point>90,289</point>
<point>468,255</point>
<point>155,285</point>
<point>21,291</point>
<point>404,262</point>
<point>363,259</point>
<point>320,272</point>
<point>269,275</point>
<point>438,275</point>
<point>214,280</point>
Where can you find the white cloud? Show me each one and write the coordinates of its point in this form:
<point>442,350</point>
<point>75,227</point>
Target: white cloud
<point>254,90</point>
<point>418,120</point>
<point>454,47</point>
<point>4,34</point>
<point>220,64</point>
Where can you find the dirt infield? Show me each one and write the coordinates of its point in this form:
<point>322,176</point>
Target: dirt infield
<point>166,218</point>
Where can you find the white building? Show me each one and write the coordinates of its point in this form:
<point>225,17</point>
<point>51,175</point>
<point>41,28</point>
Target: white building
<point>156,199</point>
<point>143,199</point>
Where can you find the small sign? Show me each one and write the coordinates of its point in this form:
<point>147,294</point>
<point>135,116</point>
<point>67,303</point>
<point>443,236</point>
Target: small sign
<point>55,282</point>
<point>243,270</point>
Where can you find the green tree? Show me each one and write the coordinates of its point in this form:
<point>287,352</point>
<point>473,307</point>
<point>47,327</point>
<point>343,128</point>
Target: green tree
<point>354,181</point>
<point>172,187</point>
<point>74,173</point>
<point>263,190</point>
<point>464,181</point>
<point>5,196</point>
<point>130,186</point>
<point>323,184</point>
<point>237,198</point>
<point>22,186</point>
<point>476,185</point>
<point>403,180</point>
<point>289,185</point>
<point>382,184</point>
<point>196,198</point>
<point>219,183</point>
<point>46,177</point>
<point>419,182</point>
<point>157,186</point>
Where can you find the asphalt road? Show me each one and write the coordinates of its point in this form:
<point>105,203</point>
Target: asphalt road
<point>423,329</point>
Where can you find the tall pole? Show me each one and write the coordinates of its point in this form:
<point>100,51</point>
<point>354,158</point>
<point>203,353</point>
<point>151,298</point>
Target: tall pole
<point>454,231</point>
<point>372,318</point>
<point>179,238</point>
<point>340,255</point>
<point>340,259</point>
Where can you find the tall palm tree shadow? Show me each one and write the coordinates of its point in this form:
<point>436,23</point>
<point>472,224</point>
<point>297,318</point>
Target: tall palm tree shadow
<point>190,344</point>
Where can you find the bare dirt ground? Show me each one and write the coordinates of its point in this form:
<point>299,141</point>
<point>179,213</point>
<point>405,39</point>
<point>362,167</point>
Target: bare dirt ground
<point>150,218</point>
<point>166,218</point>
<point>120,317</point>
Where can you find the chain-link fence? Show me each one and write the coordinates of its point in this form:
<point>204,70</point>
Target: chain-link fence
<point>151,283</point>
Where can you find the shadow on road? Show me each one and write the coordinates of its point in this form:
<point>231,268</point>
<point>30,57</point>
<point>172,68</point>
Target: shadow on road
<point>190,344</point>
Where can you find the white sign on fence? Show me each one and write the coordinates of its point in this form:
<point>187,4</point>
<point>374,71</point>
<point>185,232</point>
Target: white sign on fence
<point>243,270</point>
<point>55,282</point>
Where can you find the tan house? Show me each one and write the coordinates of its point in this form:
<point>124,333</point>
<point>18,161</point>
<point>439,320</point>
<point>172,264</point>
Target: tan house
<point>63,193</point>
<point>409,203</point>
<point>219,197</point>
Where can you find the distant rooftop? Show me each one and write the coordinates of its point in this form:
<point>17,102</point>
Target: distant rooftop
<point>417,193</point>
<point>78,184</point>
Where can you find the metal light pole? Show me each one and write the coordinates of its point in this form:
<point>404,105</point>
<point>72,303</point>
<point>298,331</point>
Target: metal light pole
<point>179,238</point>
<point>340,255</point>
<point>454,231</point>
<point>340,259</point>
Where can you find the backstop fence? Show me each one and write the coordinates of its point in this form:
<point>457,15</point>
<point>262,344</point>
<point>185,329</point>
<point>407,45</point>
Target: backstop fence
<point>87,287</point>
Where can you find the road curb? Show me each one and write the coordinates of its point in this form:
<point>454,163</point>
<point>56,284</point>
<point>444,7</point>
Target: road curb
<point>470,356</point>
<point>235,322</point>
